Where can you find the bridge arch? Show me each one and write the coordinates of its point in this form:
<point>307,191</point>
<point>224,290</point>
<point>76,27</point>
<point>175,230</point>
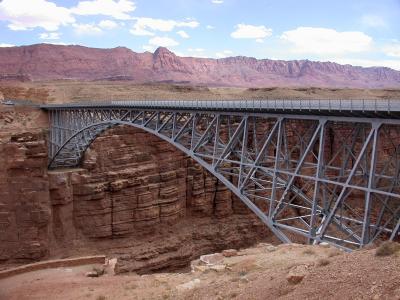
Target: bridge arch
<point>273,163</point>
<point>101,127</point>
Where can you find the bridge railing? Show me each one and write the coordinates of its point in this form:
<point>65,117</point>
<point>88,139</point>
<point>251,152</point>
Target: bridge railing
<point>387,105</point>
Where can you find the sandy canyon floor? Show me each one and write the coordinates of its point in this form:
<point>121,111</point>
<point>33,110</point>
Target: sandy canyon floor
<point>262,272</point>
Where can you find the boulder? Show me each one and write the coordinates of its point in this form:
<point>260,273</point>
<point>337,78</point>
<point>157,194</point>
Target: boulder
<point>297,274</point>
<point>230,252</point>
<point>212,259</point>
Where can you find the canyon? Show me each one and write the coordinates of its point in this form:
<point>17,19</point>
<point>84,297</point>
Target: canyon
<point>58,62</point>
<point>136,198</point>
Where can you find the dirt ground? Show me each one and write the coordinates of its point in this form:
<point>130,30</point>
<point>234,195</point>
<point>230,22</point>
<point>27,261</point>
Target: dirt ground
<point>262,272</point>
<point>74,91</point>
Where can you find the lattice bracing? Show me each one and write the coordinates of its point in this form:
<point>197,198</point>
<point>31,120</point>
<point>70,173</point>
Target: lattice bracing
<point>309,178</point>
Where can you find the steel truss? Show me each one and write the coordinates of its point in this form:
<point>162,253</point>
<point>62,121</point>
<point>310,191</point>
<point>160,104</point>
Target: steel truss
<point>308,178</point>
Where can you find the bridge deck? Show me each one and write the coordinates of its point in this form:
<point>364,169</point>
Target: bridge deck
<point>385,108</point>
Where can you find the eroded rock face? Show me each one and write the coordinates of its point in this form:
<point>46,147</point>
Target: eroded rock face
<point>25,214</point>
<point>140,195</point>
<point>136,198</point>
<point>139,198</point>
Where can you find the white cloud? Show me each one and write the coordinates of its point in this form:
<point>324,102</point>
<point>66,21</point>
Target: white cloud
<point>223,54</point>
<point>87,29</point>
<point>392,50</point>
<point>183,34</point>
<point>217,1</point>
<point>118,9</point>
<point>163,42</point>
<point>244,31</point>
<point>210,27</point>
<point>146,26</point>
<point>49,36</point>
<point>259,40</point>
<point>56,43</point>
<point>25,15</point>
<point>323,41</point>
<point>108,24</point>
<point>137,30</point>
<point>149,48</point>
<point>373,21</point>
<point>3,45</point>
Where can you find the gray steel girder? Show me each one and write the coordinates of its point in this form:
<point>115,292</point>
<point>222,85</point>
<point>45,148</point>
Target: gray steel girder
<point>309,178</point>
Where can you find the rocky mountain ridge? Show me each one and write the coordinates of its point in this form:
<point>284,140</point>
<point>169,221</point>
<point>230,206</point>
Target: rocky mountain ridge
<point>54,62</point>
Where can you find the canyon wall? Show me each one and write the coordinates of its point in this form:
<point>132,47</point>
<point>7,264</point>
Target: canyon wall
<point>136,197</point>
<point>141,199</point>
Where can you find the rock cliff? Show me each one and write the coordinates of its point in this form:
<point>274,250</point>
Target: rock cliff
<point>48,62</point>
<point>135,197</point>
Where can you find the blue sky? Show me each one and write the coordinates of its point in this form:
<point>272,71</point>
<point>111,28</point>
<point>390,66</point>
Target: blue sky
<point>365,33</point>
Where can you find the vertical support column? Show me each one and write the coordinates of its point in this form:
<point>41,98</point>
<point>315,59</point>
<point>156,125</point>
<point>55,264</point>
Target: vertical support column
<point>298,168</point>
<point>173,125</point>
<point>395,230</point>
<point>51,133</point>
<point>193,131</point>
<point>318,173</point>
<point>277,154</point>
<point>216,138</point>
<point>343,194</point>
<point>365,237</point>
<point>243,151</point>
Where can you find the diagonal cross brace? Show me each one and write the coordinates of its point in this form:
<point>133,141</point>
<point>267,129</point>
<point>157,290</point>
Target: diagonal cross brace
<point>298,167</point>
<point>228,147</point>
<point>260,154</point>
<point>327,220</point>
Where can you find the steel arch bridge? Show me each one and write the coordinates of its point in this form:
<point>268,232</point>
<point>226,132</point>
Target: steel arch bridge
<point>311,170</point>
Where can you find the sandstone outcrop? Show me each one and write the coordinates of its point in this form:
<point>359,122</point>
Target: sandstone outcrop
<point>136,198</point>
<point>25,213</point>
<point>149,201</point>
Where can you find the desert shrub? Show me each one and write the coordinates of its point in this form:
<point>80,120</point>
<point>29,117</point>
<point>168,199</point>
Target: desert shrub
<point>309,251</point>
<point>387,248</point>
<point>334,252</point>
<point>323,262</point>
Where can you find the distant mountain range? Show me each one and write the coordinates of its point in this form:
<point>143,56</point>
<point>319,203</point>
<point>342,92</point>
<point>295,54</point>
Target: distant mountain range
<point>51,62</point>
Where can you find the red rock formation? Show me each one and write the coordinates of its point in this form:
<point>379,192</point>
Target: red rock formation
<point>46,62</point>
<point>24,198</point>
<point>147,193</point>
<point>136,197</point>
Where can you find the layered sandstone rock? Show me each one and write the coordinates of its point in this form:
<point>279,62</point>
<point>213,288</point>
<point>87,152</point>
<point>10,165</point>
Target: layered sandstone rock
<point>25,214</point>
<point>141,199</point>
